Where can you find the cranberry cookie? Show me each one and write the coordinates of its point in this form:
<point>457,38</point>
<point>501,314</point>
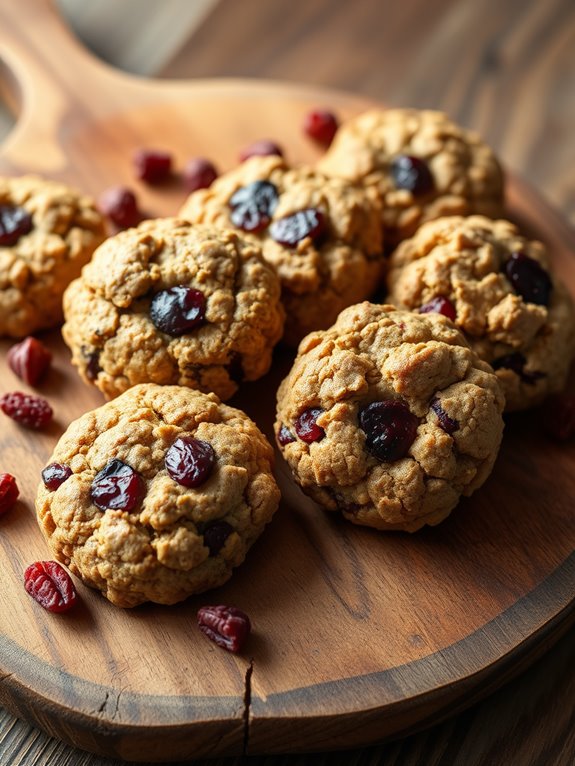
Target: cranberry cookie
<point>389,417</point>
<point>321,235</point>
<point>157,495</point>
<point>173,303</point>
<point>422,164</point>
<point>497,286</point>
<point>47,233</point>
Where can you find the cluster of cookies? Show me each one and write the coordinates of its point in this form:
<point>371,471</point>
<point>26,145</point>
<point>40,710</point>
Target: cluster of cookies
<point>391,411</point>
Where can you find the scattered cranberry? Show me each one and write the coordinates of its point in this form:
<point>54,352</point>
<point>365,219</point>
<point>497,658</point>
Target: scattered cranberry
<point>117,486</point>
<point>28,410</point>
<point>439,305</point>
<point>306,427</point>
<point>216,534</point>
<point>190,461</point>
<point>178,310</point>
<point>293,228</point>
<point>226,626</point>
<point>121,207</point>
<point>411,173</point>
<point>55,474</point>
<point>390,429</point>
<point>15,221</point>
<point>321,126</point>
<point>253,205</point>
<point>448,424</point>
<point>153,165</point>
<point>516,362</point>
<point>8,492</point>
<point>558,416</point>
<point>529,279</point>
<point>262,148</point>
<point>50,585</point>
<point>199,173</point>
<point>93,368</point>
<point>285,436</point>
<point>29,360</point>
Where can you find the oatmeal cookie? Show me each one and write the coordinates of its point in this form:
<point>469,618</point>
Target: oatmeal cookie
<point>174,303</point>
<point>422,164</point>
<point>321,235</point>
<point>389,417</point>
<point>157,494</point>
<point>498,288</point>
<point>48,231</point>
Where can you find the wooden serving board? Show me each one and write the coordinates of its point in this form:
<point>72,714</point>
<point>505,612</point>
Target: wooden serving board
<point>359,635</point>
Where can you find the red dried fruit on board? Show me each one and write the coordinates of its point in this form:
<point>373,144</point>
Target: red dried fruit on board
<point>321,125</point>
<point>199,173</point>
<point>8,492</point>
<point>50,585</point>
<point>28,410</point>
<point>226,626</point>
<point>119,204</point>
<point>29,360</point>
<point>153,165</point>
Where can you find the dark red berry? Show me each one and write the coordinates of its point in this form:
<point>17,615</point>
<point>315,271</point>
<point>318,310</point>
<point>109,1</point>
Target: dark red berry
<point>28,410</point>
<point>117,486</point>
<point>55,474</point>
<point>321,125</point>
<point>285,436</point>
<point>216,534</point>
<point>8,492</point>
<point>390,429</point>
<point>153,165</point>
<point>226,626</point>
<point>306,427</point>
<point>558,416</point>
<point>516,362</point>
<point>253,205</point>
<point>29,360</point>
<point>411,173</point>
<point>178,310</point>
<point>190,461</point>
<point>199,173</point>
<point>15,221</point>
<point>293,228</point>
<point>92,363</point>
<point>262,148</point>
<point>121,207</point>
<point>439,305</point>
<point>448,424</point>
<point>50,585</point>
<point>529,279</point>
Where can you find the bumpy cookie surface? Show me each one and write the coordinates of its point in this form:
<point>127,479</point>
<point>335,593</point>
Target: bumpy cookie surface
<point>173,303</point>
<point>321,235</point>
<point>389,417</point>
<point>513,310</point>
<point>47,233</point>
<point>121,521</point>
<point>422,164</point>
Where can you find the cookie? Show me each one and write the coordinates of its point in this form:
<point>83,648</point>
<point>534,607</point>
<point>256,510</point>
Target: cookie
<point>389,417</point>
<point>422,164</point>
<point>498,287</point>
<point>48,231</point>
<point>321,235</point>
<point>157,495</point>
<point>173,303</point>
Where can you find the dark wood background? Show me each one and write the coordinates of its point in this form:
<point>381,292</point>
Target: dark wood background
<point>503,67</point>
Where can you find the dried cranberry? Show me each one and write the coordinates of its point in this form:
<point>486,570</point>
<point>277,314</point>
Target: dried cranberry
<point>306,427</point>
<point>529,279</point>
<point>321,125</point>
<point>390,429</point>
<point>558,416</point>
<point>285,436</point>
<point>190,461</point>
<point>516,362</point>
<point>199,173</point>
<point>15,221</point>
<point>153,165</point>
<point>93,368</point>
<point>411,173</point>
<point>262,148</point>
<point>8,492</point>
<point>50,585</point>
<point>178,310</point>
<point>55,474</point>
<point>226,626</point>
<point>216,534</point>
<point>121,207</point>
<point>293,228</point>
<point>448,424</point>
<point>439,305</point>
<point>28,410</point>
<point>117,487</point>
<point>29,360</point>
<point>253,205</point>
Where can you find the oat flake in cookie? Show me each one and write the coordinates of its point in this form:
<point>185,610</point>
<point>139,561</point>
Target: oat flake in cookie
<point>500,291</point>
<point>173,303</point>
<point>422,164</point>
<point>48,231</point>
<point>389,417</point>
<point>157,495</point>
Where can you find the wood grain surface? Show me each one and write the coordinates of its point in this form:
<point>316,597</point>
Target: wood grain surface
<point>544,731</point>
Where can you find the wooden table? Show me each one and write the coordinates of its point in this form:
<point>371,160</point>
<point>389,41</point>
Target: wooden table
<point>506,69</point>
